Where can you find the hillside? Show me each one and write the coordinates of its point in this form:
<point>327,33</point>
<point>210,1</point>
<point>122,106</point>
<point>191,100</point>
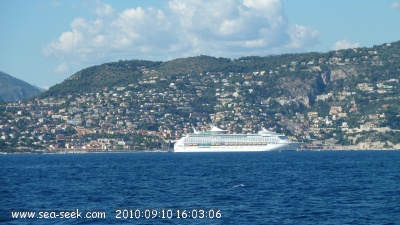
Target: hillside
<point>13,89</point>
<point>339,99</point>
<point>97,78</point>
<point>299,78</point>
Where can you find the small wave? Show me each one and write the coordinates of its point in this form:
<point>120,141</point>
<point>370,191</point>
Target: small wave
<point>239,185</point>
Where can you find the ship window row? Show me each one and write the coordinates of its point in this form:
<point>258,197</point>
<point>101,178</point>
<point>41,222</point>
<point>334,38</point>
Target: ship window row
<point>248,139</point>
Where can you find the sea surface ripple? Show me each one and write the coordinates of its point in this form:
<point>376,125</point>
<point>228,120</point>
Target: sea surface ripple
<point>305,187</point>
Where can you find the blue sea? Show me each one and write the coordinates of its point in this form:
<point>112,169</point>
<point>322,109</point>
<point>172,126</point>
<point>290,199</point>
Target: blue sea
<point>305,187</point>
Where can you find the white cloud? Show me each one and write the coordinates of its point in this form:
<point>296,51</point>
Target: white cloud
<point>62,68</point>
<point>228,28</point>
<point>302,37</point>
<point>104,9</point>
<point>395,5</point>
<point>345,44</point>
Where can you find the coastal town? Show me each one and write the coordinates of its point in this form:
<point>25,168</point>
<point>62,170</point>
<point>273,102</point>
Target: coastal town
<point>157,110</point>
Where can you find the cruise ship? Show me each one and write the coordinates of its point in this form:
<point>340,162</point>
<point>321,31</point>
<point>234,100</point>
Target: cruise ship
<point>218,140</point>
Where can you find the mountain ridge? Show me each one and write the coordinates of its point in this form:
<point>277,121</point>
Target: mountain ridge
<point>110,74</point>
<point>14,89</point>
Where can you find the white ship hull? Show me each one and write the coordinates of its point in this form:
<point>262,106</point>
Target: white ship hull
<point>217,140</point>
<point>242,148</point>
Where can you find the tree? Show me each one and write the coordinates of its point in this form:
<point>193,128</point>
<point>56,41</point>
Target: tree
<point>392,117</point>
<point>3,145</point>
<point>322,107</point>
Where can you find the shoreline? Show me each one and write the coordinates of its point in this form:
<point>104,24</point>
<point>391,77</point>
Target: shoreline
<point>160,151</point>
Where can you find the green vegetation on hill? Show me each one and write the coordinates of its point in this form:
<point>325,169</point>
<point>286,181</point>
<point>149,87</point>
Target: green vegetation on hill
<point>101,77</point>
<point>309,73</point>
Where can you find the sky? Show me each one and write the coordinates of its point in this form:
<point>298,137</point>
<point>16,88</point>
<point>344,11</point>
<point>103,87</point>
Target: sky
<point>45,42</point>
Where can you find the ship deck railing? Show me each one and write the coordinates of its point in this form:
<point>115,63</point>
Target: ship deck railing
<point>225,144</point>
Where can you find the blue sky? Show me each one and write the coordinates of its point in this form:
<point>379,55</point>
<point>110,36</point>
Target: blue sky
<point>44,42</point>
